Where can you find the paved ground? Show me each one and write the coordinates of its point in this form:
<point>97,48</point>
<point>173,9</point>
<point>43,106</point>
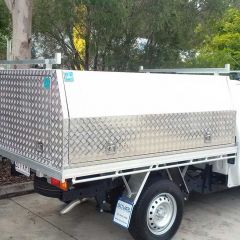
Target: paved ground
<point>212,217</point>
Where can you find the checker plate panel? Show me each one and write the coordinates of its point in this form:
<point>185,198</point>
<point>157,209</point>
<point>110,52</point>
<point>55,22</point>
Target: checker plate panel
<point>31,114</point>
<point>115,137</point>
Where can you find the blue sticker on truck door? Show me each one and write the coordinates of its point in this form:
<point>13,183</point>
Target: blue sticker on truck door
<point>68,77</point>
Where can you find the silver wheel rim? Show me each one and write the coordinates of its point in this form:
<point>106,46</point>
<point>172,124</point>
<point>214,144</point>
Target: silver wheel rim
<point>161,213</point>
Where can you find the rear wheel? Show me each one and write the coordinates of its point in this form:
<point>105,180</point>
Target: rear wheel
<point>158,212</point>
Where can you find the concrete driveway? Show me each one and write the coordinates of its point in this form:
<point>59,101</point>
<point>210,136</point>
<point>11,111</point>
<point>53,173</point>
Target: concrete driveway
<point>212,217</point>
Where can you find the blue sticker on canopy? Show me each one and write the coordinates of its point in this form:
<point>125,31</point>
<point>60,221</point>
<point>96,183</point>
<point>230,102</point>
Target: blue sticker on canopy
<point>47,83</point>
<point>68,77</point>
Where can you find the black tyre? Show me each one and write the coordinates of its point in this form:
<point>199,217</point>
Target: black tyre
<point>158,213</point>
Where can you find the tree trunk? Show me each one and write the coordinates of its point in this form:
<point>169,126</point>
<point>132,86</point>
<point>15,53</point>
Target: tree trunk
<point>95,65</point>
<point>21,11</point>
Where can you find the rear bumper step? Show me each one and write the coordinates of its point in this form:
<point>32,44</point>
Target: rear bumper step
<point>42,187</point>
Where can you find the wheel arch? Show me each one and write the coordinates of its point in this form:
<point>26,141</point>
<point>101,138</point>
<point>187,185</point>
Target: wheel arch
<point>173,174</point>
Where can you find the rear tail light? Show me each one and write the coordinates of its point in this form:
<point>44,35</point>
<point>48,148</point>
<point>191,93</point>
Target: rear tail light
<point>57,183</point>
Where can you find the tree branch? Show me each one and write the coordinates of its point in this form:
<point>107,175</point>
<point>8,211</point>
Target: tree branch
<point>9,4</point>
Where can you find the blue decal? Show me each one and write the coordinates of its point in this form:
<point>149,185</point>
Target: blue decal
<point>47,83</point>
<point>127,200</point>
<point>68,77</point>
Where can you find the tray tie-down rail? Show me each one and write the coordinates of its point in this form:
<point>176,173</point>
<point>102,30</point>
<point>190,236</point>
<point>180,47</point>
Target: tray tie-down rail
<point>144,165</point>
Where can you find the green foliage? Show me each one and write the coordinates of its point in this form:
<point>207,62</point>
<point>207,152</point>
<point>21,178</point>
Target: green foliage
<point>121,35</point>
<point>114,30</point>
<point>4,28</point>
<point>169,27</point>
<point>224,45</point>
<point>106,25</point>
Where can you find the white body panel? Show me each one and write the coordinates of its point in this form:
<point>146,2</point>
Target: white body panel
<point>234,170</point>
<point>97,94</point>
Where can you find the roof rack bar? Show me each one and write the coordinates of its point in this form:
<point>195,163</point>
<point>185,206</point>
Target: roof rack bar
<point>49,62</point>
<point>214,71</point>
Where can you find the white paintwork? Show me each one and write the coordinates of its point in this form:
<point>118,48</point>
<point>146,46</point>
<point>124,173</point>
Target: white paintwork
<point>234,170</point>
<point>97,94</point>
<point>62,94</point>
<point>116,169</point>
<point>221,167</point>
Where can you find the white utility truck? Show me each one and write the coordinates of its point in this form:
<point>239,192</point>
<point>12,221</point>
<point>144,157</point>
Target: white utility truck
<point>139,143</point>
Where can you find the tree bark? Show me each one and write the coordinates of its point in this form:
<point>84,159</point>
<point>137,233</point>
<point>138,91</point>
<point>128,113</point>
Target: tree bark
<point>21,11</point>
<point>95,65</point>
